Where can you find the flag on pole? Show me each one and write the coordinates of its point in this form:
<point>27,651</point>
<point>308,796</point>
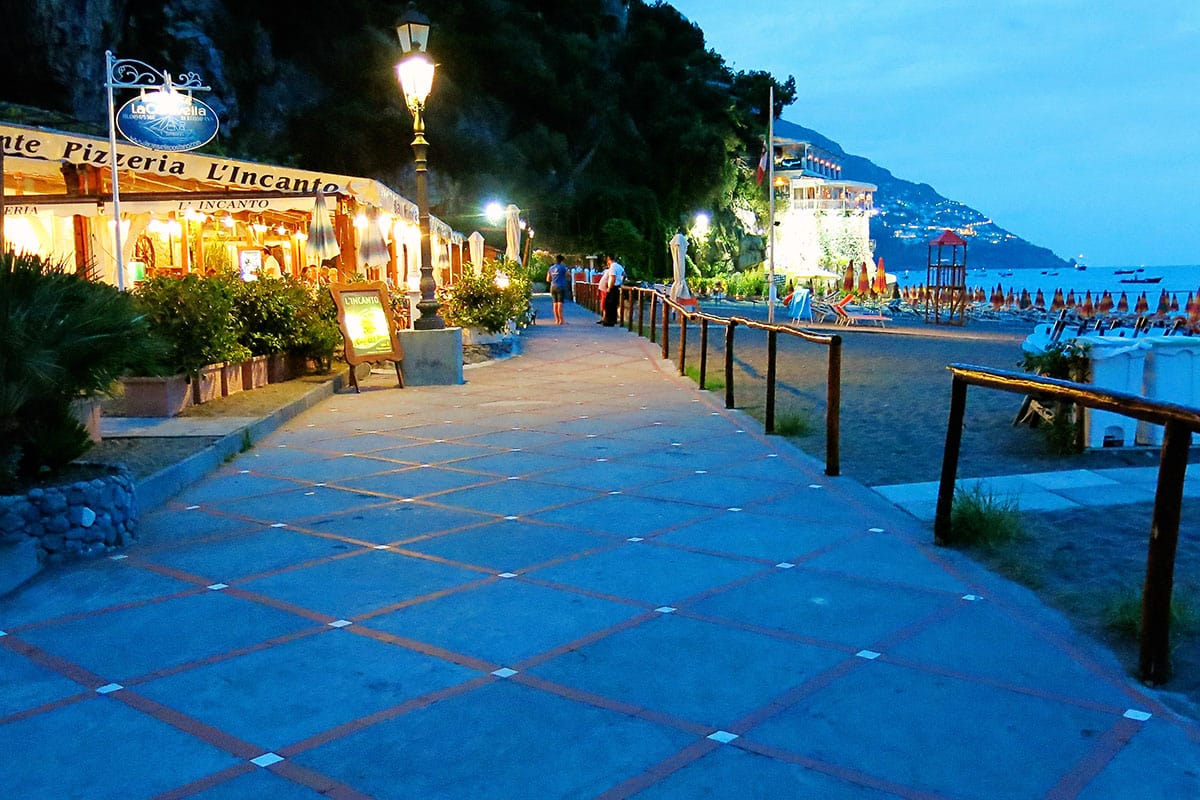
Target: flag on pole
<point>762,167</point>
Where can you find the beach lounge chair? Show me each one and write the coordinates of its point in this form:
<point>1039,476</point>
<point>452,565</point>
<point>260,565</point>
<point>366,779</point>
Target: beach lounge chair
<point>848,318</point>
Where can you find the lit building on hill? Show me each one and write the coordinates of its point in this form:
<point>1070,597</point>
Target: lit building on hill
<point>822,220</point>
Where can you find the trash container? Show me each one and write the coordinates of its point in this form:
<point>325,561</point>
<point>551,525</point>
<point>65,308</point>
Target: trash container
<point>1116,364</point>
<point>1170,376</point>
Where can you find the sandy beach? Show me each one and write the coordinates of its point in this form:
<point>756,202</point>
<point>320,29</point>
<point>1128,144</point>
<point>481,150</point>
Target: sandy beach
<point>895,403</point>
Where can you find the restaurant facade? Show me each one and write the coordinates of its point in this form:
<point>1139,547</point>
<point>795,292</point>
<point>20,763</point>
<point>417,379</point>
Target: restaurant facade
<point>186,212</point>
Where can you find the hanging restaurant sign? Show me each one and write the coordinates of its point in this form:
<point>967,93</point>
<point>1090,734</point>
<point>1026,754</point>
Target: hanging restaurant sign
<point>167,120</point>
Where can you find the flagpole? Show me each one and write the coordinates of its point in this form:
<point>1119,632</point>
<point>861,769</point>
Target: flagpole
<point>771,203</point>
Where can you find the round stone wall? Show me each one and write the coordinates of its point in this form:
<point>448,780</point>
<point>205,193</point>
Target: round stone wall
<point>80,518</point>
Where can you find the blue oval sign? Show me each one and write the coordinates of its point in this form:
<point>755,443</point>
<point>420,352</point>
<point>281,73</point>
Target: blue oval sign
<point>167,121</point>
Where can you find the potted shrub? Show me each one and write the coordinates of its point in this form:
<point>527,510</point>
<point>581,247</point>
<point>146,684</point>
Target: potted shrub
<point>495,300</point>
<point>62,338</point>
<point>196,317</point>
<point>269,311</point>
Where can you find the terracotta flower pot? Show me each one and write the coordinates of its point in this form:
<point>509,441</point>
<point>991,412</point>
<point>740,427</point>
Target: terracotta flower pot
<point>206,384</point>
<point>156,397</point>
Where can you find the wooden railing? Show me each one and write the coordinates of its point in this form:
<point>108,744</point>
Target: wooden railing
<point>634,300</point>
<point>1154,663</point>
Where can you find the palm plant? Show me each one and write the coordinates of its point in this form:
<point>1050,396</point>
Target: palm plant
<point>62,337</point>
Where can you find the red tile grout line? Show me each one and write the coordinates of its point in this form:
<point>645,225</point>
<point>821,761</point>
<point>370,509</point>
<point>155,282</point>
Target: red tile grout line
<point>46,708</point>
<point>442,653</point>
<point>383,715</point>
<point>609,704</point>
<point>53,663</point>
<point>794,695</point>
<point>81,615</point>
<point>207,782</point>
<point>320,783</point>
<point>658,772</point>
<point>584,592</point>
<point>425,598</point>
<point>584,641</point>
<point>834,770</point>
<point>774,633</point>
<point>217,658</point>
<point>1074,780</point>
<point>189,725</point>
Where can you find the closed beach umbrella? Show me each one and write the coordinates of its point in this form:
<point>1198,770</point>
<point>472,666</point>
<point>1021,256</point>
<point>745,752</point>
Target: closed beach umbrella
<point>1174,304</point>
<point>980,295</point>
<point>372,249</point>
<point>1087,309</point>
<point>512,229</point>
<point>1010,299</point>
<point>1142,305</point>
<point>679,287</point>
<point>997,298</point>
<point>475,245</point>
<point>1058,303</point>
<point>1123,304</point>
<point>1071,298</point>
<point>1193,309</point>
<point>848,282</point>
<point>1164,303</point>
<point>1025,301</point>
<point>864,280</point>
<point>1039,302</point>
<point>1105,306</point>
<point>322,244</point>
<point>880,278</point>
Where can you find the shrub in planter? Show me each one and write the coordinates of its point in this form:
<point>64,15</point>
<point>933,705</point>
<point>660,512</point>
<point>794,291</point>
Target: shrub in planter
<point>62,337</point>
<point>269,312</point>
<point>196,317</point>
<point>318,336</point>
<point>489,298</point>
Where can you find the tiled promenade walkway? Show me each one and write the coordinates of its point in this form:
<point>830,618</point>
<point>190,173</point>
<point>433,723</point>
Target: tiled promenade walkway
<point>574,576</point>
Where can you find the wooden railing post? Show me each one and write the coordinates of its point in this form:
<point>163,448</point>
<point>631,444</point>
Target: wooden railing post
<point>703,349</point>
<point>1154,662</point>
<point>833,409</point>
<point>772,345</point>
<point>641,296</point>
<point>666,330</point>
<point>943,533</point>
<point>729,363</point>
<point>683,323</point>
<point>653,317</point>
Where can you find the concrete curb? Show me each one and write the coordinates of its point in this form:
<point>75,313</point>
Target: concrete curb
<point>156,489</point>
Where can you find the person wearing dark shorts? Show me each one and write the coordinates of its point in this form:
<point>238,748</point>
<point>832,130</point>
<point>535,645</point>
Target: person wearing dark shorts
<point>559,278</point>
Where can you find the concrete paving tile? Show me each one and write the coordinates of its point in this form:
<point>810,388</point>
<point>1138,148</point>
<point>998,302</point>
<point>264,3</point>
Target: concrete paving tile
<point>1114,495</point>
<point>510,545</point>
<point>601,447</point>
<point>756,536</point>
<point>333,469</point>
<point>623,515</point>
<point>826,607</point>
<point>888,557</point>
<point>123,644</point>
<point>287,693</point>
<point>1070,479</point>
<point>82,588</point>
<point>28,685</point>
<point>1158,762</point>
<point>876,718</point>
<point>713,490</point>
<point>237,556</point>
<point>525,462</point>
<point>505,622</point>
<point>755,778</point>
<point>643,571</point>
<point>257,785</point>
<point>1049,501</point>
<point>508,741</point>
<point>430,452</point>
<point>395,522</point>
<point>188,523</point>
<point>513,498</point>
<point>299,503</point>
<point>232,486</point>
<point>905,494</point>
<point>707,674</point>
<point>777,467</point>
<point>524,439</point>
<point>610,475</point>
<point>1011,652</point>
<point>73,761</point>
<point>347,587</point>
<point>414,481</point>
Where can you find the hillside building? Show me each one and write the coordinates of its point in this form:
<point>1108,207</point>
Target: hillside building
<point>822,219</point>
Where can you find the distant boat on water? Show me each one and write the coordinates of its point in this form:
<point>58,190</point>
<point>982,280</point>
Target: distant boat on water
<point>1128,271</point>
<point>1149,279</point>
<point>1008,273</point>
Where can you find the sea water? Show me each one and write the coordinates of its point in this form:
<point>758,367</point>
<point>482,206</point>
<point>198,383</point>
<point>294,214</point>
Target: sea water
<point>1178,280</point>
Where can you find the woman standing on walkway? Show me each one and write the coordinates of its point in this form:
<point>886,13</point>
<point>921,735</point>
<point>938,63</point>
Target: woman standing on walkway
<point>558,276</point>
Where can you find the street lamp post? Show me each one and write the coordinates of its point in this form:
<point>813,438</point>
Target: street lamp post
<point>415,72</point>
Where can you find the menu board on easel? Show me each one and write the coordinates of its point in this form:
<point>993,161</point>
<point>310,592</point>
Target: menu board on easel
<point>364,315</point>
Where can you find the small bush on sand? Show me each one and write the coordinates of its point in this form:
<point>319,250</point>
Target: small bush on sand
<point>712,383</point>
<point>792,424</point>
<point>979,518</point>
<point>1123,615</point>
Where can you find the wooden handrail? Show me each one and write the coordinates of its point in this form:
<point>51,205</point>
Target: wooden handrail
<point>686,316</point>
<point>1154,660</point>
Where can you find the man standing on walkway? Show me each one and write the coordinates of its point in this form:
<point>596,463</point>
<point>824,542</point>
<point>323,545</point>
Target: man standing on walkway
<point>558,276</point>
<point>610,285</point>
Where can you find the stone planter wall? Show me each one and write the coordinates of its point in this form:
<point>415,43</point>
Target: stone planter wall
<point>83,518</point>
<point>156,397</point>
<point>254,373</point>
<point>231,378</point>
<point>206,384</point>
